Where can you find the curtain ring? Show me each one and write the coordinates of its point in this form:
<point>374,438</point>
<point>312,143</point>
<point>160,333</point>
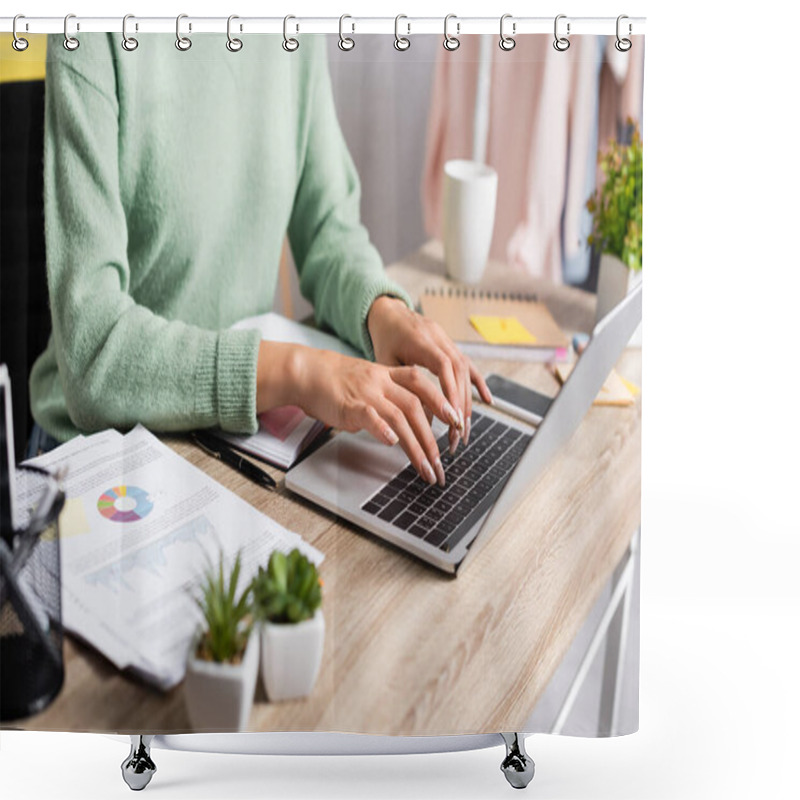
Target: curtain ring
<point>128,42</point>
<point>623,45</point>
<point>233,45</point>
<point>401,43</point>
<point>451,42</point>
<point>507,42</point>
<point>19,44</point>
<point>289,44</point>
<point>183,43</point>
<point>561,43</point>
<point>345,42</point>
<point>70,42</point>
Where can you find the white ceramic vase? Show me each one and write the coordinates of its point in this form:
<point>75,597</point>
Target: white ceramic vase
<point>614,281</point>
<point>291,654</point>
<point>219,697</point>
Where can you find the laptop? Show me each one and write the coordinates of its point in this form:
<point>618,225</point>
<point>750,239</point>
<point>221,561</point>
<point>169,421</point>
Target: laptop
<point>377,489</point>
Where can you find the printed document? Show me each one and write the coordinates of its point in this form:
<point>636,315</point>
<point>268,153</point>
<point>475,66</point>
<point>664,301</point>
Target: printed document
<point>140,529</point>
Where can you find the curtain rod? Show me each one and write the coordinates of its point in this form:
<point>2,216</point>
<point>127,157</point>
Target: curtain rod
<point>407,26</point>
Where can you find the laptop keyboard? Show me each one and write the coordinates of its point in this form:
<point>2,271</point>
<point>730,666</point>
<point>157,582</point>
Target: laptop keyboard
<point>474,476</point>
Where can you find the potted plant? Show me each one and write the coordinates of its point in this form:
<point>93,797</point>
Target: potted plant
<point>222,665</point>
<point>616,209</point>
<point>287,596</point>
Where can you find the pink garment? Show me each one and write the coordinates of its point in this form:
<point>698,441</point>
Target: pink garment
<point>542,117</point>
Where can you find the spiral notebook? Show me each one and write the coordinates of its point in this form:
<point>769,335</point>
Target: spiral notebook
<point>461,311</point>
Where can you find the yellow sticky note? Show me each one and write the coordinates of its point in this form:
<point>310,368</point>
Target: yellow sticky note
<point>502,330</point>
<point>631,386</point>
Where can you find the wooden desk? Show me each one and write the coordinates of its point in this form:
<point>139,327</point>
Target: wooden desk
<point>409,650</point>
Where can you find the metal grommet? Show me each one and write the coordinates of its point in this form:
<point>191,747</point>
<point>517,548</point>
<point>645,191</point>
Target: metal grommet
<point>623,44</point>
<point>507,42</point>
<point>19,44</point>
<point>451,42</point>
<point>561,43</point>
<point>289,44</point>
<point>128,42</point>
<point>233,45</point>
<point>401,43</point>
<point>70,42</point>
<point>345,42</point>
<point>183,43</point>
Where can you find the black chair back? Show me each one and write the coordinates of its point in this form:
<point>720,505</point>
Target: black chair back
<point>24,310</point>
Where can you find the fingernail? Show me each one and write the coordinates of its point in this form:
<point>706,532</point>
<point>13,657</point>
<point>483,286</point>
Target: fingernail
<point>390,436</point>
<point>461,420</point>
<point>427,471</point>
<point>439,471</point>
<point>491,396</point>
<point>467,431</point>
<point>453,441</point>
<point>450,413</point>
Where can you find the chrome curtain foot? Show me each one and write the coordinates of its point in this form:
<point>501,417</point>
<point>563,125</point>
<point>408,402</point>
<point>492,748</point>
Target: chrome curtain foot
<point>517,766</point>
<point>138,768</point>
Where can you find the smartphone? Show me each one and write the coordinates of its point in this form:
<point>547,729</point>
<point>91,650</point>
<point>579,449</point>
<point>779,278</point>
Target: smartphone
<point>518,400</point>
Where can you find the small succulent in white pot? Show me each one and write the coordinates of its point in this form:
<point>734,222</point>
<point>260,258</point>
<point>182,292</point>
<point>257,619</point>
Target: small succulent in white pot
<point>222,666</point>
<point>287,599</point>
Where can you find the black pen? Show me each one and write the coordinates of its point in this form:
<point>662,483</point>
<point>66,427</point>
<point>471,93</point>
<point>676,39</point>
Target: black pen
<point>215,448</point>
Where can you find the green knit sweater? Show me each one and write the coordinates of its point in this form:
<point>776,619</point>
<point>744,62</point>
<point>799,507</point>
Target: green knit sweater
<point>171,179</point>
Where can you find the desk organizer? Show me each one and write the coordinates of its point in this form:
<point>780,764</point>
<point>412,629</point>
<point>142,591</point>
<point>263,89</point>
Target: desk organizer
<point>31,651</point>
<point>293,521</point>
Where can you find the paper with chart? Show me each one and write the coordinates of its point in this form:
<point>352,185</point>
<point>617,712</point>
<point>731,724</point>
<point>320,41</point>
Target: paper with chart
<point>140,528</point>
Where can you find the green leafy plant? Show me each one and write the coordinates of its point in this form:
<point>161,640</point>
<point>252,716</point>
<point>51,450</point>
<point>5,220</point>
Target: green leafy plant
<point>616,206</point>
<point>288,590</point>
<point>228,621</point>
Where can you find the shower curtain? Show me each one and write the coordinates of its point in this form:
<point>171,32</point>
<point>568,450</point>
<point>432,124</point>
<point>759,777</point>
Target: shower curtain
<point>216,567</point>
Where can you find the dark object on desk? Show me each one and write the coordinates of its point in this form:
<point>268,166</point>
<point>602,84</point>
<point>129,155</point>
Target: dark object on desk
<point>31,635</point>
<point>518,400</point>
<point>218,449</point>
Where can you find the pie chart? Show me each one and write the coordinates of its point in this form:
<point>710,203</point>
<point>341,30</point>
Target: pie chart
<point>125,504</point>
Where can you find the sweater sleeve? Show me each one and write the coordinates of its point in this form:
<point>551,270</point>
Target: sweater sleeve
<point>341,272</point>
<point>118,362</point>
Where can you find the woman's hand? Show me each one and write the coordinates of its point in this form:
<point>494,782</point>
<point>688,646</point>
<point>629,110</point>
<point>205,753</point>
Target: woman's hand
<point>400,336</point>
<point>354,394</point>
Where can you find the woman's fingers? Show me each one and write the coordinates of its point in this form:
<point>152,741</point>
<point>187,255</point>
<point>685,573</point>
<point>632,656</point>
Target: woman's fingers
<point>453,439</point>
<point>412,379</point>
<point>480,384</point>
<point>414,413</point>
<point>372,422</point>
<point>467,375</point>
<point>412,440</point>
<point>389,426</point>
<point>439,363</point>
<point>400,411</point>
<point>460,367</point>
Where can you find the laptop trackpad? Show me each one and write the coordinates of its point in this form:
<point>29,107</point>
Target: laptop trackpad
<point>346,471</point>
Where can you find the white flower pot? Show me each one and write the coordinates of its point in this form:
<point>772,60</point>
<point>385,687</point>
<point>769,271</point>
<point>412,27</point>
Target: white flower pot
<point>219,697</point>
<point>291,654</point>
<point>614,281</point>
